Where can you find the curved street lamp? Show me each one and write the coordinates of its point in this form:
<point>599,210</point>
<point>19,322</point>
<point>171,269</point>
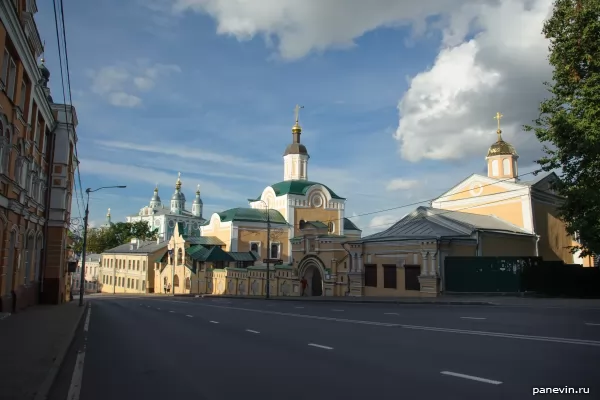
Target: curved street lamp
<point>85,226</point>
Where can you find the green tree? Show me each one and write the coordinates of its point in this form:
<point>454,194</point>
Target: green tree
<point>101,239</point>
<point>569,119</point>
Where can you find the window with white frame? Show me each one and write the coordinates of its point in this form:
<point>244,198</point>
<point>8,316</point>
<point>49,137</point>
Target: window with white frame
<point>23,96</point>
<point>275,252</point>
<point>255,247</point>
<point>12,80</point>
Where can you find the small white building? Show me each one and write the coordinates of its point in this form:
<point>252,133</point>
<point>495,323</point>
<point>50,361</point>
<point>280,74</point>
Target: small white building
<point>92,271</point>
<point>165,218</point>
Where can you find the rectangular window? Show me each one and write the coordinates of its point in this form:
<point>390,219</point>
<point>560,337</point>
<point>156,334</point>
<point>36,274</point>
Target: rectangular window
<point>129,264</point>
<point>389,277</point>
<point>12,80</point>
<point>371,275</point>
<point>275,250</point>
<point>138,265</point>
<point>144,285</point>
<point>255,247</point>
<point>23,96</point>
<point>5,63</point>
<point>144,266</point>
<point>128,283</point>
<point>411,277</point>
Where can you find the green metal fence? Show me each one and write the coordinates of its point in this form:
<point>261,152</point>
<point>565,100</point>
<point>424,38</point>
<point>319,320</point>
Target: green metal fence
<point>485,274</point>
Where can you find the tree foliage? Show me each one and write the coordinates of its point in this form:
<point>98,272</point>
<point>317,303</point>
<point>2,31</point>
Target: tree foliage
<point>569,119</point>
<point>102,239</point>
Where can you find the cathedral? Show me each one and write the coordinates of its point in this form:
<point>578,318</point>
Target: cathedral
<point>166,218</point>
<point>294,232</point>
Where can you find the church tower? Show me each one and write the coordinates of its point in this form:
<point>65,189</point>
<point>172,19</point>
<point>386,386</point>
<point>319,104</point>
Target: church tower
<point>295,158</point>
<point>155,200</point>
<point>108,221</point>
<point>197,204</point>
<point>502,158</point>
<point>178,198</point>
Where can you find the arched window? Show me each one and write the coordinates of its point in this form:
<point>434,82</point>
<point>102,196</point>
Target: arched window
<point>330,227</point>
<point>188,284</point>
<point>179,256</point>
<point>495,168</point>
<point>302,224</point>
<point>165,281</point>
<point>176,281</point>
<point>29,257</point>
<point>254,247</point>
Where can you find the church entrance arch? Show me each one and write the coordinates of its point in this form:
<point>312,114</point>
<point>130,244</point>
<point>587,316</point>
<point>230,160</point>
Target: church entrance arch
<point>312,270</point>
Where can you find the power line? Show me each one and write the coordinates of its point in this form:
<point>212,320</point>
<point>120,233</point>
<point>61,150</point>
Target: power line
<point>56,23</point>
<point>430,200</point>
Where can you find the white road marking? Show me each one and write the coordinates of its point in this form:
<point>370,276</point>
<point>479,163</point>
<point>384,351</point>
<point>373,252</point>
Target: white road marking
<point>171,311</point>
<point>337,310</point>
<point>391,313</point>
<point>592,324</point>
<point>86,324</point>
<point>583,342</point>
<point>471,377</point>
<point>190,316</point>
<point>320,346</point>
<point>251,331</point>
<point>472,318</point>
<point>77,377</point>
<point>298,307</point>
<point>158,308</point>
<point>213,322</point>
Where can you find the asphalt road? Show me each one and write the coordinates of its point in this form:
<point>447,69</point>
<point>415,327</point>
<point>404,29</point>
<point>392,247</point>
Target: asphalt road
<point>222,349</point>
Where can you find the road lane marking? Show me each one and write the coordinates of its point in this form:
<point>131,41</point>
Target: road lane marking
<point>77,377</point>
<point>472,318</point>
<point>171,311</point>
<point>337,310</point>
<point>190,316</point>
<point>214,322</point>
<point>158,308</point>
<point>471,377</point>
<point>592,324</point>
<point>583,342</point>
<point>391,313</point>
<point>86,325</point>
<point>251,331</point>
<point>320,346</point>
<point>298,307</point>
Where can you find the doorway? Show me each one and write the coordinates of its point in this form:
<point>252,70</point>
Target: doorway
<point>314,280</point>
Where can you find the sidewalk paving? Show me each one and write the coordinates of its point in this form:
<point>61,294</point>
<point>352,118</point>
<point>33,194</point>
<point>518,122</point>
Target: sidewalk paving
<point>34,343</point>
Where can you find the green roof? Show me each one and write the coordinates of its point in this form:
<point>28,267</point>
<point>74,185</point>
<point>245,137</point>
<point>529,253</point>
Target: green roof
<point>201,253</point>
<point>243,256</point>
<point>317,224</point>
<point>299,188</point>
<point>251,215</point>
<point>205,240</point>
<point>349,225</point>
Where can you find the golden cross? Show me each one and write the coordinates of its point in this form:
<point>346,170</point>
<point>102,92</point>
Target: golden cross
<point>297,111</point>
<point>498,117</point>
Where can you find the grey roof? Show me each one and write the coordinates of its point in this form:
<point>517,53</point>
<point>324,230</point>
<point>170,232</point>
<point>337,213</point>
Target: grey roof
<point>427,222</point>
<point>178,196</point>
<point>93,257</point>
<point>145,247</point>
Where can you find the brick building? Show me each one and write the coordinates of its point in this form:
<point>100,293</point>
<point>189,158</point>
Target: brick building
<point>36,167</point>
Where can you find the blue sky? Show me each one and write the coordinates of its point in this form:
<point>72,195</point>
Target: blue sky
<point>399,97</point>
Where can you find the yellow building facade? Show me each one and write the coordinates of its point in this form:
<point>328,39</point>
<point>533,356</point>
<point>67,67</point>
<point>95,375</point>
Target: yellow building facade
<point>129,268</point>
<point>298,226</point>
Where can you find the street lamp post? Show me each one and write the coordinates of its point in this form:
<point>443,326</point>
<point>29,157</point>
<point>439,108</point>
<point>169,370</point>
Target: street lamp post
<point>85,226</point>
<point>268,283</point>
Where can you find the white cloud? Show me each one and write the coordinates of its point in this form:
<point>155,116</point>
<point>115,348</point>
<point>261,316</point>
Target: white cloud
<point>123,174</point>
<point>122,99</point>
<point>448,111</point>
<point>401,184</point>
<point>118,83</point>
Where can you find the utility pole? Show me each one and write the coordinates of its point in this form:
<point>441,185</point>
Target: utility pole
<point>85,228</point>
<point>268,289</point>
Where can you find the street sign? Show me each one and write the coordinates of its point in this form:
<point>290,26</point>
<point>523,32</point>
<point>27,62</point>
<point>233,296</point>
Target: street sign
<point>273,261</point>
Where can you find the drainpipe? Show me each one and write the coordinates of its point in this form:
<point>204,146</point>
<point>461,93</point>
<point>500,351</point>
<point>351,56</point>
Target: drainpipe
<point>537,249</point>
<point>52,138</point>
<point>477,246</point>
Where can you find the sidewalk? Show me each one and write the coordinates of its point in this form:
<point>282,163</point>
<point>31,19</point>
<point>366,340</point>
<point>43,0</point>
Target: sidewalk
<point>463,300</point>
<point>34,343</point>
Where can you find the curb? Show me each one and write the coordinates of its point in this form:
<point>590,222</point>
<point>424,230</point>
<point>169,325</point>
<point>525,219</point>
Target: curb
<point>44,389</point>
<point>324,300</point>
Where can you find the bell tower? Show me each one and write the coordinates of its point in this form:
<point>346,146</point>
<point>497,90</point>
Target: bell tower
<point>295,158</point>
<point>502,157</point>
